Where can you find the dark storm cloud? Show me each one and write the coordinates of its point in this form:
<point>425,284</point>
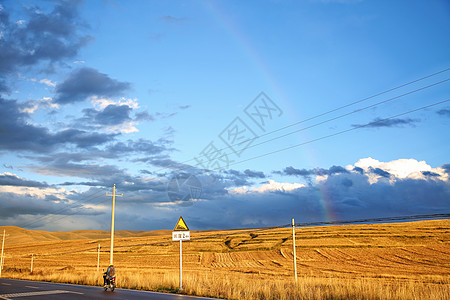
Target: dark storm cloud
<point>80,163</point>
<point>91,171</point>
<point>13,180</point>
<point>85,183</point>
<point>43,37</point>
<point>65,157</point>
<point>444,112</point>
<point>4,89</point>
<point>377,123</point>
<point>146,172</point>
<point>82,138</point>
<point>337,170</point>
<point>446,167</point>
<point>110,116</point>
<point>254,174</point>
<point>17,134</point>
<point>144,116</point>
<point>17,205</point>
<point>347,182</point>
<point>347,195</point>
<point>291,171</point>
<point>380,172</point>
<point>237,178</point>
<point>430,174</point>
<point>164,162</point>
<point>71,165</point>
<point>359,170</point>
<point>141,146</point>
<point>86,82</point>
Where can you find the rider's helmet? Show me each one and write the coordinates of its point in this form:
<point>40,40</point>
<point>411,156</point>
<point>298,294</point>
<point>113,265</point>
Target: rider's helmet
<point>111,271</point>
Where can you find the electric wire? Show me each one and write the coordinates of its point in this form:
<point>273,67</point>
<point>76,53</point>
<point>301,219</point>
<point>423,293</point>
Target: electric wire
<point>328,112</point>
<point>334,134</point>
<point>325,121</point>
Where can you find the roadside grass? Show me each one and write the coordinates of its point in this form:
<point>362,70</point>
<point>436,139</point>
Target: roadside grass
<point>249,287</point>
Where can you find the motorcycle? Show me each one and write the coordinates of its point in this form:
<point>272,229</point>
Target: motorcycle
<point>109,283</point>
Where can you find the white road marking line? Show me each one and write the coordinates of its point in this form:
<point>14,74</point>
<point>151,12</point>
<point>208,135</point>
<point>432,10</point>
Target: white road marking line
<point>32,287</point>
<point>6,283</point>
<point>30,294</point>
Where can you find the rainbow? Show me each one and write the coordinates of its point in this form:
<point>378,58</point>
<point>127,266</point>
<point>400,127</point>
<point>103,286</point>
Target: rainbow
<point>275,90</point>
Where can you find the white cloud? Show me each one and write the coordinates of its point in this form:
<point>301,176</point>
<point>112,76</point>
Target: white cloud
<point>101,103</point>
<point>38,192</point>
<point>400,169</point>
<point>127,127</point>
<point>33,106</point>
<point>270,186</point>
<point>48,82</point>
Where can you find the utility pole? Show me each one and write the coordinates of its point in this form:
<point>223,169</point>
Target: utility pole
<point>98,257</point>
<point>293,245</point>
<point>2,258</point>
<point>112,222</point>
<point>32,257</point>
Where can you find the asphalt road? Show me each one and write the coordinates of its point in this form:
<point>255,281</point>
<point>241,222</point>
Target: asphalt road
<point>24,289</point>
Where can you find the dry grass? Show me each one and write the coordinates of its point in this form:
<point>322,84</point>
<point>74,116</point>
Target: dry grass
<point>384,261</point>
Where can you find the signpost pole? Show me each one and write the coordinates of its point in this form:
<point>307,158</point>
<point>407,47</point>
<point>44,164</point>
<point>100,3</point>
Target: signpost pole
<point>294,252</point>
<point>181,233</point>
<point>181,265</point>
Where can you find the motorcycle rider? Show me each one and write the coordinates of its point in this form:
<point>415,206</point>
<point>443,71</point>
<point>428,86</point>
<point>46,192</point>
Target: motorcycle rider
<point>110,272</point>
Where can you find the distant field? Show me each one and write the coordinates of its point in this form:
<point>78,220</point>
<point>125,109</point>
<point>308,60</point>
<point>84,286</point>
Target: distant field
<point>381,261</point>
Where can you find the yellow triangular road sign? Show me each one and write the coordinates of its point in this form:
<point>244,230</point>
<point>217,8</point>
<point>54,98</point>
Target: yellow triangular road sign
<point>181,225</point>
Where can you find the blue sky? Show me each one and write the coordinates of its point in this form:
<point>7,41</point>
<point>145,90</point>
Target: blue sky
<point>132,93</point>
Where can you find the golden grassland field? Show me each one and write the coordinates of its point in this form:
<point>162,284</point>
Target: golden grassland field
<point>381,261</point>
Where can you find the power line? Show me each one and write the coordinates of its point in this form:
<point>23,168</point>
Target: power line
<point>328,120</point>
<point>333,110</point>
<point>331,135</point>
<point>375,220</point>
